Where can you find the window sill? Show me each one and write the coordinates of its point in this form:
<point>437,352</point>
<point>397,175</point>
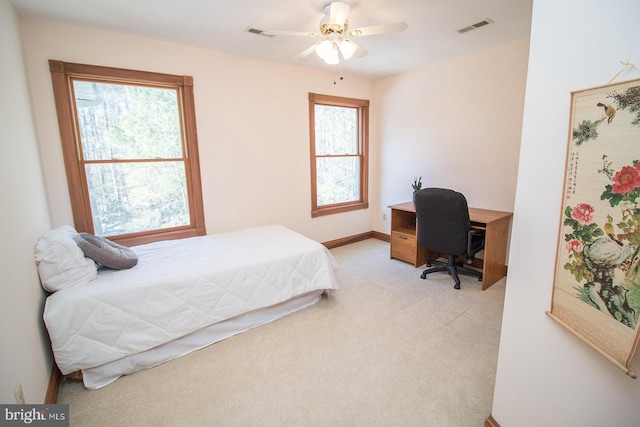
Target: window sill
<point>339,208</point>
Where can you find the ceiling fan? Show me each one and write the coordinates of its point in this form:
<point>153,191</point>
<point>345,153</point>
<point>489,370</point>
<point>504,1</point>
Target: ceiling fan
<point>335,32</point>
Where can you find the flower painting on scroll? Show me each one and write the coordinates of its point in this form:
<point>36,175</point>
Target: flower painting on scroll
<point>601,210</point>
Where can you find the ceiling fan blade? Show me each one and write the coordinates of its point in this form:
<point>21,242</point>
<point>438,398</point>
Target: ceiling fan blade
<point>307,51</point>
<point>361,52</point>
<point>292,33</point>
<point>338,12</point>
<point>378,29</point>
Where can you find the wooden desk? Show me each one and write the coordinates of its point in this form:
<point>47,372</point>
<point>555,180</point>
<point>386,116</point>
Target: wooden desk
<point>405,246</point>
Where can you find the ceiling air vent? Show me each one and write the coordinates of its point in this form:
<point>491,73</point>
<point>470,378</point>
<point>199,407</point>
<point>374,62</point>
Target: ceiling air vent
<point>258,32</point>
<point>476,25</point>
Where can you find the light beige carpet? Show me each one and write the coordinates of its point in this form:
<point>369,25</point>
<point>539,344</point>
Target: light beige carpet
<point>386,349</point>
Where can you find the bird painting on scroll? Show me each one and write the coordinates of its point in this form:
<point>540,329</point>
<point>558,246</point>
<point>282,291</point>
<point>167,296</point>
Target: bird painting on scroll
<point>596,292</point>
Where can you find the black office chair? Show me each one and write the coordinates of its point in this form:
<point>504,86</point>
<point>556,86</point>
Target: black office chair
<point>444,227</point>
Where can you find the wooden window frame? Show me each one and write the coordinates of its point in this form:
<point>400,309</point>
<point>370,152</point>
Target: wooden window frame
<point>362,107</point>
<point>61,76</point>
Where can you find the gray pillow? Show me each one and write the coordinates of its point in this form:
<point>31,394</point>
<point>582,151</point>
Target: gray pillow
<point>105,252</point>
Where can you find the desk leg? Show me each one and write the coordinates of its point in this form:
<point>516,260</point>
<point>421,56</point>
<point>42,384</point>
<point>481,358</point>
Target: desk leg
<point>495,251</point>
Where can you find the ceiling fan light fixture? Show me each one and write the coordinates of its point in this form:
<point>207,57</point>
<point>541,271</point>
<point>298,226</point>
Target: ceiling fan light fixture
<point>323,49</point>
<point>333,57</point>
<point>347,48</point>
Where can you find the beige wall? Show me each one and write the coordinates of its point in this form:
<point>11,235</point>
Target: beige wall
<point>546,376</point>
<point>252,119</point>
<point>457,124</point>
<point>24,354</point>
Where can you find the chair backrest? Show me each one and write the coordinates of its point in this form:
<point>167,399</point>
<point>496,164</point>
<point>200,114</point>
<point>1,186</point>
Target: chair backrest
<point>443,220</point>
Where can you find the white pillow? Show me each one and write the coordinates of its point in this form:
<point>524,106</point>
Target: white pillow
<point>61,263</point>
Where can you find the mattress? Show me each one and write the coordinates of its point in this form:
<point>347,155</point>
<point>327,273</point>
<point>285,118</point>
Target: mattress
<point>181,286</point>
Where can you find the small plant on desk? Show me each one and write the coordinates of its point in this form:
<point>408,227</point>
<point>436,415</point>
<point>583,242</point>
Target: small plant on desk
<point>417,186</point>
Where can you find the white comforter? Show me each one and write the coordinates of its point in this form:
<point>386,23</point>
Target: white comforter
<point>180,286</point>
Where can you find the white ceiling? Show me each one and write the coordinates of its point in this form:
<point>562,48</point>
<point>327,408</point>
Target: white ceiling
<point>222,25</point>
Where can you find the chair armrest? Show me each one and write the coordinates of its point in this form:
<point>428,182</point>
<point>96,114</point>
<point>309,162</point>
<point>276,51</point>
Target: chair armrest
<point>475,242</point>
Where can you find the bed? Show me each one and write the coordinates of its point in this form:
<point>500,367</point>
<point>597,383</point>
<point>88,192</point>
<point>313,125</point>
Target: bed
<point>182,295</point>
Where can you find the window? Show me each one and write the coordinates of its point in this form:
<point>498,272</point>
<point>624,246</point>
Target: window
<point>130,151</point>
<point>339,129</point>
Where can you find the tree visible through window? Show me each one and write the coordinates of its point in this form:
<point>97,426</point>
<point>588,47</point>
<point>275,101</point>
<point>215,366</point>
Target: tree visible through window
<point>133,157</point>
<point>339,142</point>
<point>134,153</point>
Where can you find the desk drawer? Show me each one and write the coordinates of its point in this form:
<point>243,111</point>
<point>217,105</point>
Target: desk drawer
<point>403,247</point>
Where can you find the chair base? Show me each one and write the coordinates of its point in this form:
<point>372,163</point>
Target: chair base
<point>453,268</point>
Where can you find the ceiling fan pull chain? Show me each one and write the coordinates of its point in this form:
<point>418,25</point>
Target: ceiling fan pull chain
<point>340,74</point>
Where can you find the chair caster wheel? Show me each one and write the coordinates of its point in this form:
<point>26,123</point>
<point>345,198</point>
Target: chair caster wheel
<point>456,286</point>
<point>423,276</point>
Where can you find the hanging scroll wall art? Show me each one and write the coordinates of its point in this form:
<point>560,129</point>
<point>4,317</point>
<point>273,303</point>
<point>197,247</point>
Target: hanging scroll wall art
<point>596,292</point>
